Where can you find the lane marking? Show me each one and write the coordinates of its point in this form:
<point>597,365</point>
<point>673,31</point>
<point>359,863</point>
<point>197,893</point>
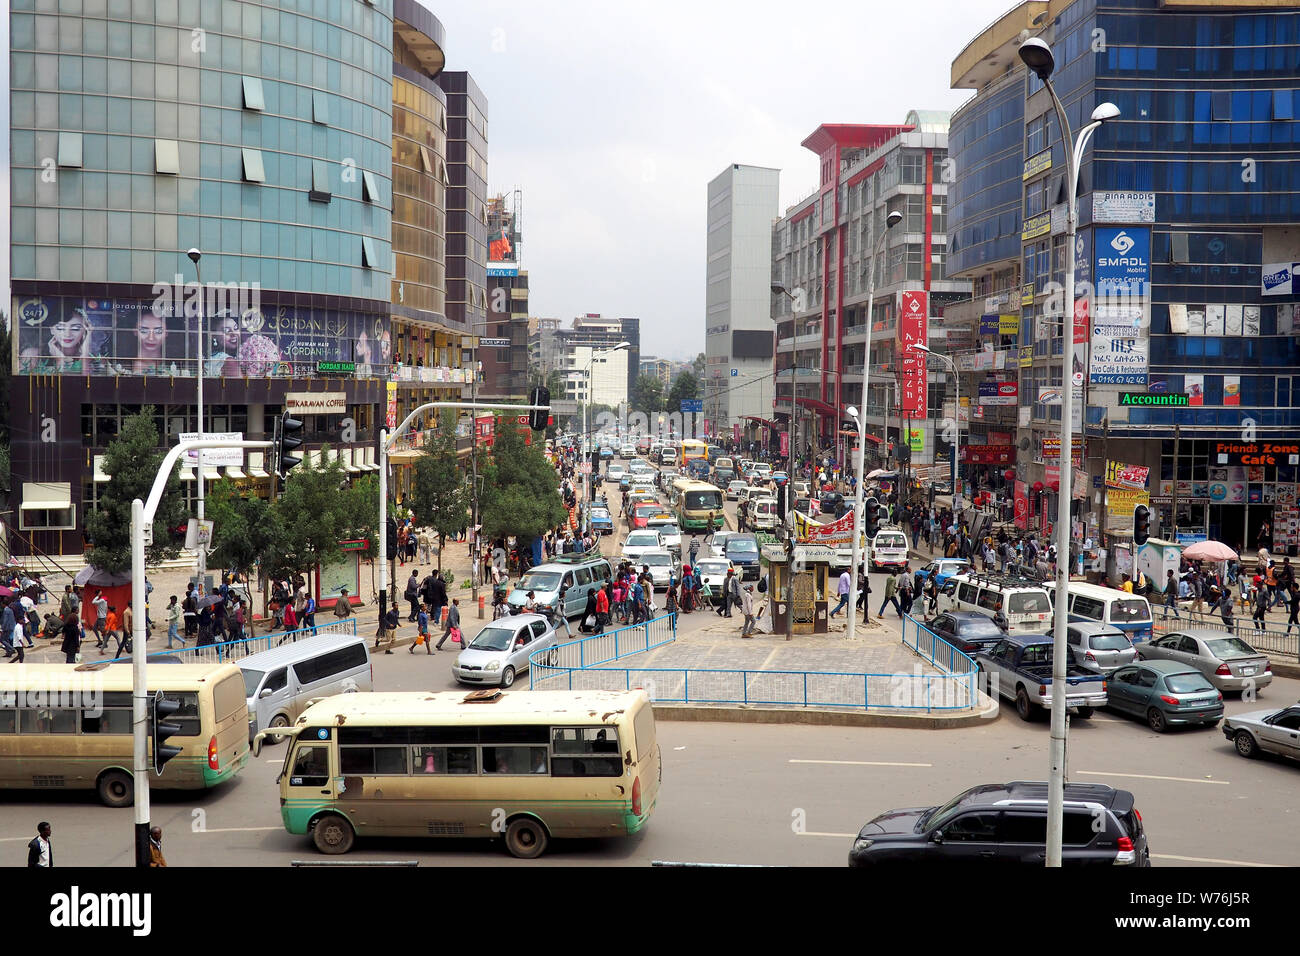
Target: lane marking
<point>238,829</point>
<point>1202,859</point>
<point>838,836</point>
<point>865,763</point>
<point>1147,776</point>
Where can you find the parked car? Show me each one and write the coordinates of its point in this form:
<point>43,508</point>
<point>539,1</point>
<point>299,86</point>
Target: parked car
<point>1230,663</point>
<point>967,631</point>
<point>638,542</point>
<point>1266,731</point>
<point>666,525</point>
<point>1021,670</point>
<point>500,652</point>
<point>801,489</point>
<point>1165,694</point>
<point>1100,648</point>
<point>734,489</point>
<point>602,521</point>
<point>663,566</point>
<point>1007,823</point>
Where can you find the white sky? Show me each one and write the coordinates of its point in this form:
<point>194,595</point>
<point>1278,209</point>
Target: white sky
<point>612,117</point>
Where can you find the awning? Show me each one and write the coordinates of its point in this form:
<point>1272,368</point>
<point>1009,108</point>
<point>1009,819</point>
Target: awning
<point>819,406</point>
<point>255,461</point>
<point>233,472</point>
<point>758,418</point>
<point>346,456</point>
<point>100,475</point>
<point>210,473</point>
<point>43,496</point>
<point>187,474</point>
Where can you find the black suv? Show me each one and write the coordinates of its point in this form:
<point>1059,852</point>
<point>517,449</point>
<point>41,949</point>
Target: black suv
<point>1007,823</point>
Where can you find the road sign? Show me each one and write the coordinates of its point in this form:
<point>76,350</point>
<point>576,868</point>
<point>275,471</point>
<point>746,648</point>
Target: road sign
<point>586,468</point>
<point>735,373</point>
<point>692,405</point>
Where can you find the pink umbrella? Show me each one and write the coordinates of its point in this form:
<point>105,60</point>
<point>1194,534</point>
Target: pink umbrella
<point>1210,551</point>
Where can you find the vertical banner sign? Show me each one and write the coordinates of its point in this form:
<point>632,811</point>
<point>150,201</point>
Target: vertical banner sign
<point>785,444</point>
<point>391,418</point>
<point>1022,505</point>
<point>913,329</point>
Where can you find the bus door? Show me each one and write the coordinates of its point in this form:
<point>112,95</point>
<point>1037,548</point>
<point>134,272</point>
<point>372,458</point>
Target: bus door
<point>310,782</point>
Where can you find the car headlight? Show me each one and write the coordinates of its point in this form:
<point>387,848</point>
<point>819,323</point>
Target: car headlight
<point>493,666</point>
<point>862,843</point>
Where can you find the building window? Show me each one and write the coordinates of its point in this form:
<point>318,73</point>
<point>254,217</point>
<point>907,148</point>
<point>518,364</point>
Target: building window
<point>912,167</point>
<point>369,187</point>
<point>70,150</point>
<point>368,258</point>
<point>167,156</point>
<point>425,160</point>
<point>253,98</point>
<point>254,170</point>
<point>321,191</point>
<point>320,107</point>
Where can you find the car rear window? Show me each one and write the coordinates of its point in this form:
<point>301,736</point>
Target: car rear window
<point>1229,647</point>
<point>1187,683</point>
<point>1109,642</point>
<point>1130,609</point>
<point>1030,602</point>
<point>978,627</point>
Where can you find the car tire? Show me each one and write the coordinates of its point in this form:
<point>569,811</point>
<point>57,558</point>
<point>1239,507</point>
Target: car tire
<point>1156,720</point>
<point>1024,707</point>
<point>333,834</point>
<point>1085,712</point>
<point>507,677</point>
<point>1245,744</point>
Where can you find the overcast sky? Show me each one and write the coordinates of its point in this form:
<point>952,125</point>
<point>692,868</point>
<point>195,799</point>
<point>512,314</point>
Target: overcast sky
<point>613,117</point>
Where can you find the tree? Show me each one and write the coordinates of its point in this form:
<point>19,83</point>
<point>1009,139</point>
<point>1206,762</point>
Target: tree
<point>244,528</point>
<point>647,395</point>
<point>437,491</point>
<point>520,496</point>
<point>697,364</point>
<point>685,386</point>
<point>359,503</point>
<point>132,461</point>
<point>311,517</point>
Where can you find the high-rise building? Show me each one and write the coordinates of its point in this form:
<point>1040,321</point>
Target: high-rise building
<point>503,349</point>
<point>1188,201</point>
<point>467,225</point>
<point>739,336</point>
<point>822,252</point>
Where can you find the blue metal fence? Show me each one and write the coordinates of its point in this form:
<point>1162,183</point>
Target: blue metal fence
<point>584,665</point>
<point>231,650</point>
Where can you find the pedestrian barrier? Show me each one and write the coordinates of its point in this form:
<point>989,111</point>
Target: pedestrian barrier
<point>584,665</point>
<point>1283,643</point>
<point>231,650</point>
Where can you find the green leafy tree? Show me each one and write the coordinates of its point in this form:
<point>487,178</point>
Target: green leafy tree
<point>686,385</point>
<point>437,492</point>
<point>244,528</point>
<point>697,364</point>
<point>647,395</point>
<point>359,503</point>
<point>132,460</point>
<point>311,517</point>
<point>520,496</point>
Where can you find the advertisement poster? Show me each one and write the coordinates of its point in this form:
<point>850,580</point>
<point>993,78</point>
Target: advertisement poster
<point>1194,385</point>
<point>215,457</point>
<point>1120,503</point>
<point>391,417</point>
<point>916,440</point>
<point>1022,505</point>
<point>838,532</point>
<point>1120,475</point>
<point>1119,356</point>
<point>1286,495</point>
<point>988,325</point>
<point>913,329</point>
<point>999,393</point>
<point>73,335</point>
<point>1232,389</point>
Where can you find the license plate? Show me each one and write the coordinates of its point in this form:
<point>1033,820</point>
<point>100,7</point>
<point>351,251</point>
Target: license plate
<point>1247,671</point>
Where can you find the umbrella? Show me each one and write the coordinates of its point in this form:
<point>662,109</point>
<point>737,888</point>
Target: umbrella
<point>208,600</point>
<point>6,592</point>
<point>1210,551</point>
<point>882,473</point>
<point>97,578</point>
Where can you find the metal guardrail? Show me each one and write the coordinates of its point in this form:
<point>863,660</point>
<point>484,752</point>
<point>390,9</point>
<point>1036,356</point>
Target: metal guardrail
<point>1273,641</point>
<point>230,650</point>
<point>584,665</point>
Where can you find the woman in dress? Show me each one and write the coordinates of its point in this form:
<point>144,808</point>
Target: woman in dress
<point>68,349</point>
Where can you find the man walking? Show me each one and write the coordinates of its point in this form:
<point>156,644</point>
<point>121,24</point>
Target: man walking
<point>905,585</point>
<point>101,619</point>
<point>388,629</point>
<point>155,848</point>
<point>724,608</point>
<point>438,591</point>
<point>695,549</point>
<point>173,622</point>
<point>733,592</point>
<point>40,852</point>
<point>1261,607</point>
<point>453,621</point>
<point>1171,596</point>
<point>412,594</point>
<point>845,585</point>
<point>747,606</point>
<point>891,589</point>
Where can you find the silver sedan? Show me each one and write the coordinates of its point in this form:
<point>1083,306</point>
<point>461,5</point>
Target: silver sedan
<point>501,650</point>
<point>1266,731</point>
<point>1230,663</point>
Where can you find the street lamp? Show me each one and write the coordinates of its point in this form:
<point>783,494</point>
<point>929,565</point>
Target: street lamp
<point>859,465</point>
<point>194,256</point>
<point>1037,56</point>
<point>956,442</point>
<point>586,505</point>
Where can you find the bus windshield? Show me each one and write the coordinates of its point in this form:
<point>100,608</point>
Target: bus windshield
<point>704,500</point>
<point>1130,609</point>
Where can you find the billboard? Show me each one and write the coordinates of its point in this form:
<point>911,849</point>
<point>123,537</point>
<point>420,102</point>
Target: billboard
<point>999,393</point>
<point>913,328</point>
<point>83,335</point>
<point>1123,206</point>
<point>503,252</point>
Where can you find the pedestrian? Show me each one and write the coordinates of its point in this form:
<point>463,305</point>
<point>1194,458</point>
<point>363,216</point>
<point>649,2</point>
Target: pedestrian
<point>724,608</point>
<point>101,619</point>
<point>845,585</point>
<point>864,592</point>
<point>453,623</point>
<point>602,611</point>
<point>290,617</point>
<point>342,606</point>
<point>1000,618</point>
<point>413,594</point>
<point>733,593</point>
<point>189,611</point>
<point>747,606</point>
<point>1197,584</point>
<point>388,634</point>
<point>891,589</point>
<point>1294,619</point>
<point>438,592</point>
<point>71,645</point>
<point>1261,607</point>
<point>309,613</point>
<point>422,631</point>
<point>906,583</point>
<point>155,848</point>
<point>40,852</point>
<point>205,627</point>
<point>1225,607</point>
<point>173,622</point>
<point>694,549</point>
<point>128,628</point>
<point>1171,596</point>
<point>637,597</point>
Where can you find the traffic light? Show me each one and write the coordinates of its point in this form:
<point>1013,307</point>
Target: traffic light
<point>287,440</point>
<point>392,540</point>
<point>1141,524</point>
<point>539,419</point>
<point>161,707</point>
<point>871,517</point>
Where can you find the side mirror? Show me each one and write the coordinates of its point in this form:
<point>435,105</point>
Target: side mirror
<point>938,837</point>
<point>266,692</point>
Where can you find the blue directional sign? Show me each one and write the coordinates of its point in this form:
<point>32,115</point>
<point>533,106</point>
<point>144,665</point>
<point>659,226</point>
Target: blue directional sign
<point>692,405</point>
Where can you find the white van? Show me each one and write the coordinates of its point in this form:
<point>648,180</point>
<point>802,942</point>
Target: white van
<point>1026,604</point>
<point>888,550</point>
<point>280,682</point>
<point>1130,613</point>
<point>765,517</point>
<point>668,456</point>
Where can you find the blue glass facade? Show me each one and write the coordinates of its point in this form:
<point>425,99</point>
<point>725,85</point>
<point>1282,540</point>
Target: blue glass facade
<point>985,143</point>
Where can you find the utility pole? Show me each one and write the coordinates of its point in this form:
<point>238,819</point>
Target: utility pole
<point>473,457</point>
<point>789,583</point>
<point>1173,536</point>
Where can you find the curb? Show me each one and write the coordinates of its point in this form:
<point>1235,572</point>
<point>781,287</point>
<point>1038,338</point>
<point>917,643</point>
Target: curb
<point>1283,669</point>
<point>756,714</point>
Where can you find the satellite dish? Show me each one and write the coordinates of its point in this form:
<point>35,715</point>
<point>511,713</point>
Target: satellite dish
<point>1024,443</point>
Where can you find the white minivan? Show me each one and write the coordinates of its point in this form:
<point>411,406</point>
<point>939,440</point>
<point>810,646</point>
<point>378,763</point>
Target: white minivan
<point>280,682</point>
<point>888,550</point>
<point>1026,604</point>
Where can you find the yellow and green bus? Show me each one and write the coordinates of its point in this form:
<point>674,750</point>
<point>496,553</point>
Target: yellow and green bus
<point>527,767</point>
<point>68,727</point>
<point>694,501</point>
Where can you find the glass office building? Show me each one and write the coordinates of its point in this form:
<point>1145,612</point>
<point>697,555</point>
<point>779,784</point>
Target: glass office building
<point>1192,194</point>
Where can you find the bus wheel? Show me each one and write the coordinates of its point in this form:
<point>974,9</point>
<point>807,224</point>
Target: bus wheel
<point>333,834</point>
<point>526,838</point>
<point>116,789</point>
